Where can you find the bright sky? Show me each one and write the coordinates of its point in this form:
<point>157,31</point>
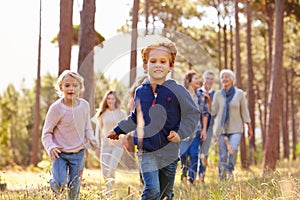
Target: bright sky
<point>19,35</point>
<point>19,26</point>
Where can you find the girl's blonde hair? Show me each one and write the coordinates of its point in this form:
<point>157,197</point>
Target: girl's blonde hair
<point>61,77</point>
<point>171,50</point>
<point>103,104</point>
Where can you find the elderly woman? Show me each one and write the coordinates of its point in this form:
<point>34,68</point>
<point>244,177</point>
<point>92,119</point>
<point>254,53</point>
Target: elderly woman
<point>229,107</point>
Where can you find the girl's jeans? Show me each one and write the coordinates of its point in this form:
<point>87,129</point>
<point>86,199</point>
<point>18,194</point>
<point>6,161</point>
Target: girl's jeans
<point>226,160</point>
<point>68,169</point>
<point>110,158</point>
<point>158,176</point>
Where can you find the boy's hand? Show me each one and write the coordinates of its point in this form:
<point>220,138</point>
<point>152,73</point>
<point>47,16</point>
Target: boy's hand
<point>113,135</point>
<point>173,137</point>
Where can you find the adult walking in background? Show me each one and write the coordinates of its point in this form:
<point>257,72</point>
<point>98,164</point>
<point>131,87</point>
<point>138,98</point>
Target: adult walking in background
<point>108,116</point>
<point>208,82</point>
<point>189,148</point>
<point>230,109</point>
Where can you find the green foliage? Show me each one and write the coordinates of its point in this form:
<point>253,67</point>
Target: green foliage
<point>75,41</point>
<point>171,13</point>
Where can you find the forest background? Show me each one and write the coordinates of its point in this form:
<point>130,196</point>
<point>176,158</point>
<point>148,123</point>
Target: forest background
<point>259,40</point>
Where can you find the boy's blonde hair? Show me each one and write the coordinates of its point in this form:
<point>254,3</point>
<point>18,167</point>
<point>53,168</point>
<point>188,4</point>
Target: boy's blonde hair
<point>61,77</point>
<point>168,45</point>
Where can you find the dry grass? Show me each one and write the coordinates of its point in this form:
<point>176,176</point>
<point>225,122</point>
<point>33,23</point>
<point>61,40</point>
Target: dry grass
<point>282,184</point>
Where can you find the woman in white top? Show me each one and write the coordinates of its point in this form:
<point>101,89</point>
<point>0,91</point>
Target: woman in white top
<point>108,116</point>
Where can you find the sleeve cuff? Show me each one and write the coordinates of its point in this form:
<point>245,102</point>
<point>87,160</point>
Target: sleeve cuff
<point>118,130</point>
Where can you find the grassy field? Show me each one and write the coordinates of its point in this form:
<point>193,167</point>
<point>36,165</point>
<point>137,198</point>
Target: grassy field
<point>282,184</point>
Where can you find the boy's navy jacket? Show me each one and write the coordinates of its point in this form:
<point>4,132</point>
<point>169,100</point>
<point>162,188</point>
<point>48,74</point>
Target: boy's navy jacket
<point>172,109</point>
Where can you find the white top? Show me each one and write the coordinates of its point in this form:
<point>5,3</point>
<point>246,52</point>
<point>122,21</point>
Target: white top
<point>107,121</point>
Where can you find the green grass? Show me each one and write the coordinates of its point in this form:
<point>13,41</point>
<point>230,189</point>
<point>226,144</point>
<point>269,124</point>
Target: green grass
<point>284,183</point>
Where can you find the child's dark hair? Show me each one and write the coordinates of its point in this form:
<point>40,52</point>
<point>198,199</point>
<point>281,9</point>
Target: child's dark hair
<point>188,78</point>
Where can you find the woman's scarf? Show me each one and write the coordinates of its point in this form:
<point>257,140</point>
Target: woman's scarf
<point>229,94</point>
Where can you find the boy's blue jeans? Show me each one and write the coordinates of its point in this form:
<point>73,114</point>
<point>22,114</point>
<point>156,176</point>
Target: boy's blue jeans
<point>226,160</point>
<point>68,168</point>
<point>189,156</point>
<point>158,176</point>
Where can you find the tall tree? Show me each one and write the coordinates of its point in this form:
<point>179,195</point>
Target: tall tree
<point>237,45</point>
<point>231,43</point>
<point>239,77</point>
<point>250,89</point>
<point>86,53</point>
<point>219,35</point>
<point>293,117</point>
<point>269,8</point>
<point>65,35</point>
<point>284,118</point>
<point>36,127</point>
<point>271,150</point>
<point>147,10</point>
<point>134,37</point>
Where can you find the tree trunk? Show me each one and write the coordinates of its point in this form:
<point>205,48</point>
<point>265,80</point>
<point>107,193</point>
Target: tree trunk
<point>225,46</point>
<point>231,45</point>
<point>219,37</point>
<point>265,99</point>
<point>129,156</point>
<point>147,7</point>
<point>270,20</point>
<point>65,35</point>
<point>271,151</point>
<point>36,125</point>
<point>285,114</point>
<point>293,116</point>
<point>250,91</point>
<point>134,37</point>
<point>86,53</point>
<point>244,160</point>
<point>237,46</point>
<point>261,115</point>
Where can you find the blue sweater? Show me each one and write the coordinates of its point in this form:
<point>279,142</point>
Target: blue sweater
<point>172,109</point>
